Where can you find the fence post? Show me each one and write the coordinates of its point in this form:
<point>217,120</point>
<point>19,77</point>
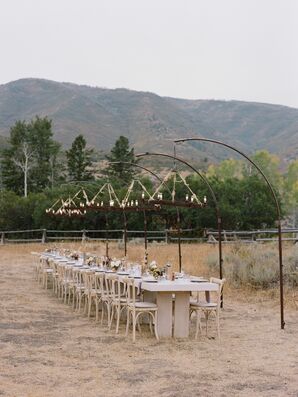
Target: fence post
<point>44,236</point>
<point>83,236</point>
<point>2,238</point>
<point>166,236</point>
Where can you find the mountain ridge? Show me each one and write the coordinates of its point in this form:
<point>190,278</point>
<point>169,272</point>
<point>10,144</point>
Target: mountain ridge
<point>149,120</point>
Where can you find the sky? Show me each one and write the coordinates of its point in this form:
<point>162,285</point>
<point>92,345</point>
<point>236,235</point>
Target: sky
<point>195,49</point>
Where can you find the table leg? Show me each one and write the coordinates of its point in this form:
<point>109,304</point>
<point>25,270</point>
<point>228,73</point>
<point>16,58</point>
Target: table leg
<point>181,319</point>
<point>164,315</point>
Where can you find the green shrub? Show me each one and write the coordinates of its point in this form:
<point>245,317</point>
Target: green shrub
<point>257,265</point>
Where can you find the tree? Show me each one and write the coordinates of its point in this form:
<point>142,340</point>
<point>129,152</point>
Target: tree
<point>269,164</point>
<point>23,160</point>
<point>227,169</point>
<point>121,152</point>
<point>56,165</point>
<point>41,140</point>
<point>291,191</point>
<point>79,160</point>
<point>16,157</point>
<point>26,162</point>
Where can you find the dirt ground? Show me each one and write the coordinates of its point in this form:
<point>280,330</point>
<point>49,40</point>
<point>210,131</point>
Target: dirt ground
<point>47,350</point>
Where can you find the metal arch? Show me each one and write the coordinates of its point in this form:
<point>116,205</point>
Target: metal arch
<point>277,210</point>
<point>219,220</point>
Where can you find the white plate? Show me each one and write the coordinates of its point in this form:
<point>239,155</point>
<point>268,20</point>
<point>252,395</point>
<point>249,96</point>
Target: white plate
<point>149,280</point>
<point>198,280</point>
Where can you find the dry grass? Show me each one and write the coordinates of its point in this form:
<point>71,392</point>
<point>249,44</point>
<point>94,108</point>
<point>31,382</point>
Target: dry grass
<point>47,350</point>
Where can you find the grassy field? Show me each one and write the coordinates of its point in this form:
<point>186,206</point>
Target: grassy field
<point>47,350</point>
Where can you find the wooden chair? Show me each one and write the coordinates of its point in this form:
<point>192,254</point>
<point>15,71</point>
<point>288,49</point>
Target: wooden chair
<point>136,308</point>
<point>208,308</point>
<point>105,296</point>
<point>94,293</point>
<point>117,290</point>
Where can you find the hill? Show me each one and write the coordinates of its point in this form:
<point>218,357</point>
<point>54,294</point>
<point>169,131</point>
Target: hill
<point>148,120</point>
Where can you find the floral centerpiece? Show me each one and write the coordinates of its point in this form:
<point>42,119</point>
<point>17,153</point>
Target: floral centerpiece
<point>154,270</point>
<point>90,261</point>
<point>115,265</point>
<point>74,255</point>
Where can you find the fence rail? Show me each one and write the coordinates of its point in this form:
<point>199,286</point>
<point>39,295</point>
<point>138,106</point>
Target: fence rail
<point>166,235</point>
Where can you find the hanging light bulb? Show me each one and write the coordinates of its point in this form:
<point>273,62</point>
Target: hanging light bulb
<point>192,198</point>
<point>111,203</point>
<point>143,195</point>
<point>137,203</point>
<point>131,203</point>
<point>186,197</point>
<point>101,204</point>
<point>205,199</point>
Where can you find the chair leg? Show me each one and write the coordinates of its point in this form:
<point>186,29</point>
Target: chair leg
<point>102,312</point>
<point>133,327</point>
<point>127,322</point>
<point>198,323</point>
<point>96,309</point>
<point>118,318</point>
<point>155,326</point>
<point>112,317</point>
<point>89,306</point>
<point>217,324</point>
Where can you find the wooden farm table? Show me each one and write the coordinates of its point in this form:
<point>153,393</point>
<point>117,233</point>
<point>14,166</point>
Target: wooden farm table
<point>163,291</point>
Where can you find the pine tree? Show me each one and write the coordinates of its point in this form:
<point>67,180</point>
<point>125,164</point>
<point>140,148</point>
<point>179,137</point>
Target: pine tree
<point>121,153</point>
<point>79,160</point>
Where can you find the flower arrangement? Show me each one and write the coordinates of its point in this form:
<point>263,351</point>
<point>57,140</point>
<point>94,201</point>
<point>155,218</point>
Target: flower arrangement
<point>154,270</point>
<point>115,265</point>
<point>74,255</point>
<point>90,260</point>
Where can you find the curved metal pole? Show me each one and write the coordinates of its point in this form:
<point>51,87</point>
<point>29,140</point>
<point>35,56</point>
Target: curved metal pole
<point>277,211</point>
<point>107,238</point>
<point>212,194</point>
<point>145,218</point>
<point>125,233</point>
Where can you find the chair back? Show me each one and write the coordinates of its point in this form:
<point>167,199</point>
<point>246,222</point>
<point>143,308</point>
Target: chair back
<point>100,277</point>
<point>220,283</point>
<point>111,282</point>
<point>130,290</point>
<point>88,277</point>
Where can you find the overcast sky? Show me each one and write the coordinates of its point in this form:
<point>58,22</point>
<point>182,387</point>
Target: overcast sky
<point>202,49</point>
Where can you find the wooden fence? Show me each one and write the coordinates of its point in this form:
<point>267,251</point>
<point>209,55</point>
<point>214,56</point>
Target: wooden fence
<point>166,235</point>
